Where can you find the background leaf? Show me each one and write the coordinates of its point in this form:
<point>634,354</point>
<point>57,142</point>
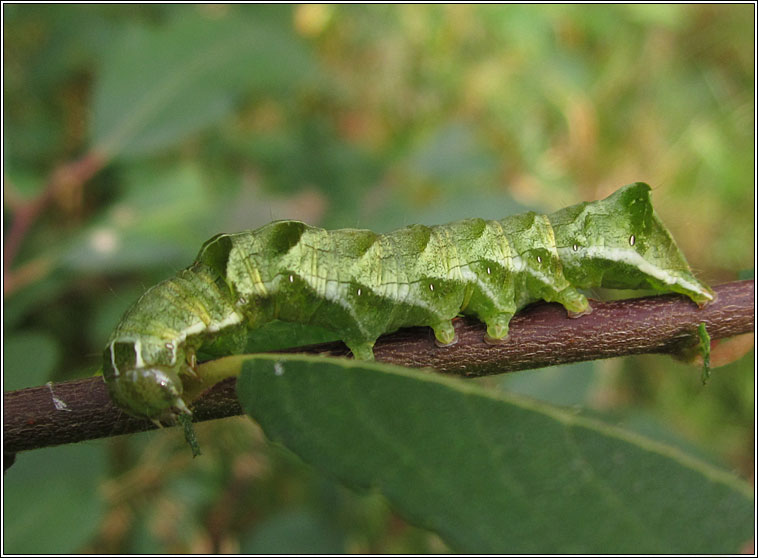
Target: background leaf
<point>158,86</point>
<point>494,473</point>
<point>29,359</point>
<point>296,532</point>
<point>45,516</point>
<point>169,225</point>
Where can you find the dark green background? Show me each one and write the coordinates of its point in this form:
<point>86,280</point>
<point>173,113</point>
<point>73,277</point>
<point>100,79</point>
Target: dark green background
<point>221,118</point>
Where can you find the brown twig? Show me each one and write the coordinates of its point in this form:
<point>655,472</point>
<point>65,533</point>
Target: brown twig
<point>540,336</point>
<point>68,175</point>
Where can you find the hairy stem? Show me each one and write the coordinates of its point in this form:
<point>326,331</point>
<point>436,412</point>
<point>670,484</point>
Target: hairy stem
<point>70,175</point>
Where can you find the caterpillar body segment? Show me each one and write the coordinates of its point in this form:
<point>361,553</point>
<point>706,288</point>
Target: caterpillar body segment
<point>361,285</point>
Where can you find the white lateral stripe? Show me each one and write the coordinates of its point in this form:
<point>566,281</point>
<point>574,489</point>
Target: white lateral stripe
<point>631,257</point>
<point>138,354</point>
<point>181,337</point>
<point>231,319</point>
<point>113,361</point>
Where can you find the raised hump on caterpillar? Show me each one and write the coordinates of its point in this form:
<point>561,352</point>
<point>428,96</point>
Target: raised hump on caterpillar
<point>361,285</point>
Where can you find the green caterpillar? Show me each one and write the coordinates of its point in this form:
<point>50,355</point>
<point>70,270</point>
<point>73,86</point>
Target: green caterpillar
<point>361,284</point>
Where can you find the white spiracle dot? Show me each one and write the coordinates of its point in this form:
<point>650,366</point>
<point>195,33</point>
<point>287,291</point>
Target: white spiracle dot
<point>488,271</point>
<point>632,240</point>
<point>431,287</point>
<point>539,259</point>
<point>575,248</point>
<point>292,279</point>
<point>359,292</point>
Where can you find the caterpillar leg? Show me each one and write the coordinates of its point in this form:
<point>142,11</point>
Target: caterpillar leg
<point>444,333</point>
<point>497,329</point>
<point>362,350</point>
<point>584,312</point>
<point>575,303</point>
<point>191,368</point>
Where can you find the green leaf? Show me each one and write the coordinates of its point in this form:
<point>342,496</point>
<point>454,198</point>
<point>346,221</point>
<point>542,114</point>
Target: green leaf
<point>29,359</point>
<point>294,532</point>
<point>165,227</point>
<point>492,472</point>
<point>51,499</point>
<point>158,86</point>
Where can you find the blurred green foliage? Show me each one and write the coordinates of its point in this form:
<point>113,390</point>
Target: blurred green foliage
<point>201,119</point>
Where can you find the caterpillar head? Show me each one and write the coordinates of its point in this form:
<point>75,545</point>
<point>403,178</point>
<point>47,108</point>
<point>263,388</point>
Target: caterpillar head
<point>148,391</point>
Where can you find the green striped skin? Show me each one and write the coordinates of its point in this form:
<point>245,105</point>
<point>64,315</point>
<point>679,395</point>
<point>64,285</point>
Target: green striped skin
<point>362,284</point>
